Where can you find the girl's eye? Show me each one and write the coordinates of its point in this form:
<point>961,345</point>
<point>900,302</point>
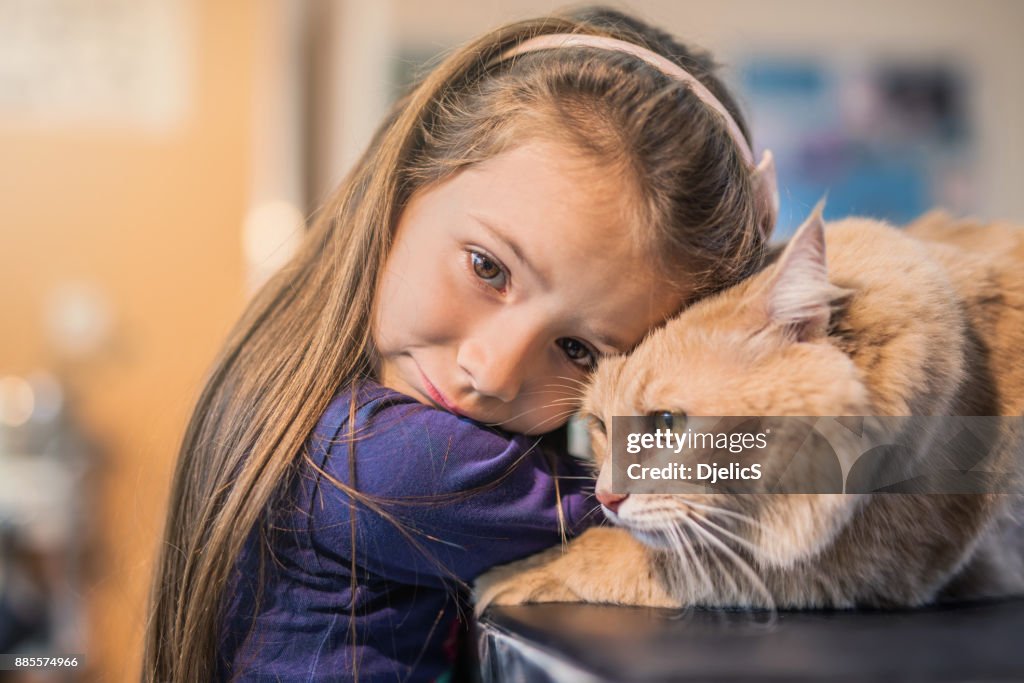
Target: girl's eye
<point>577,352</point>
<point>488,271</point>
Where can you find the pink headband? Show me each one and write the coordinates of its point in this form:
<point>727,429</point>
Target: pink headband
<point>763,174</point>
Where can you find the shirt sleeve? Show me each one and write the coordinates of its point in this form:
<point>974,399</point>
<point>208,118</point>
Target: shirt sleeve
<point>446,497</point>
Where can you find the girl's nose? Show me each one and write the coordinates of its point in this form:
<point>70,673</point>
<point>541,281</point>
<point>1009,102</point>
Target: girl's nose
<point>496,363</point>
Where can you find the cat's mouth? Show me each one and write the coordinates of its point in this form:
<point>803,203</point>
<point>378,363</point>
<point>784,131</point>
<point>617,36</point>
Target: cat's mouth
<point>652,538</point>
<point>652,535</point>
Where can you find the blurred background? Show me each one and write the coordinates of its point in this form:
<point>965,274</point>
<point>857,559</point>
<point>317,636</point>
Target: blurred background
<point>157,158</point>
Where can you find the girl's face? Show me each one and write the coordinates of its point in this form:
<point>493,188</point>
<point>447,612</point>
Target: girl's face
<point>507,282</point>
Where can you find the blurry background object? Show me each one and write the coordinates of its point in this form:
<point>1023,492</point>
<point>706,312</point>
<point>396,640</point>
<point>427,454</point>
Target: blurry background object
<point>78,320</point>
<point>47,529</point>
<point>888,138</point>
<point>161,157</point>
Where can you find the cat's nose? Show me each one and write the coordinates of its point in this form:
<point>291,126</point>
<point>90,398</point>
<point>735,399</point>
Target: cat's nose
<point>610,500</point>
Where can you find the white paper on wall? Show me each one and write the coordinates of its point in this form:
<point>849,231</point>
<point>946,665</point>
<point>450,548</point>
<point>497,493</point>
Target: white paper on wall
<point>107,62</point>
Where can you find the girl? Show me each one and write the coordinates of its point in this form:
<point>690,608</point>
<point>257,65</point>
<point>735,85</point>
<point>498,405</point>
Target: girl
<point>367,443</point>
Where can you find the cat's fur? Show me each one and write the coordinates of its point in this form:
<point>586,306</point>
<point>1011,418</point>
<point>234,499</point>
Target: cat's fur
<point>924,321</point>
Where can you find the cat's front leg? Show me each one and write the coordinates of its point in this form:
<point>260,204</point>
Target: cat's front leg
<point>604,565</point>
<point>534,579</point>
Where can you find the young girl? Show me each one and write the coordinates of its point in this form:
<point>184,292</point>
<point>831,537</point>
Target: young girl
<point>367,443</point>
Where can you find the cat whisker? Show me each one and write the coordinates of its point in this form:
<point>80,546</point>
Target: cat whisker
<point>685,566</point>
<point>562,390</point>
<point>722,569</point>
<point>590,512</point>
<point>567,393</point>
<point>714,510</point>
<point>653,510</point>
<point>544,391</point>
<point>554,418</point>
<point>751,547</point>
<point>557,416</point>
<point>715,550</point>
<point>679,534</point>
<point>582,384</point>
<point>565,401</point>
<point>741,564</point>
<point>575,400</point>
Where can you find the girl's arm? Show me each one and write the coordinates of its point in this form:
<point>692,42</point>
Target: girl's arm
<point>445,497</point>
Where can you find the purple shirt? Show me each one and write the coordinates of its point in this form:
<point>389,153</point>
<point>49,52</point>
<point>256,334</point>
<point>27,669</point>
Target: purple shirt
<point>423,465</point>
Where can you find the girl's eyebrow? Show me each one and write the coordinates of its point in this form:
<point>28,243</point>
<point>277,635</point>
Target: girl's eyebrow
<point>505,238</point>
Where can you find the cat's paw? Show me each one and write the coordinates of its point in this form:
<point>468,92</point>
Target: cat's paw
<point>529,580</point>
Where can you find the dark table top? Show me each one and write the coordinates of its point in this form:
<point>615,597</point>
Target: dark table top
<point>563,642</point>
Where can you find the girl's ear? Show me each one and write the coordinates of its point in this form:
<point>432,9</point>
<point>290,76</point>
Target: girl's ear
<point>766,194</point>
<point>798,295</point>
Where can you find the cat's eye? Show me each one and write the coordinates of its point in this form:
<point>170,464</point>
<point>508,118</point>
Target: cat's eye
<point>665,419</point>
<point>488,270</point>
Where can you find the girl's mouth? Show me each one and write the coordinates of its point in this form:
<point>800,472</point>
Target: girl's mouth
<point>437,396</point>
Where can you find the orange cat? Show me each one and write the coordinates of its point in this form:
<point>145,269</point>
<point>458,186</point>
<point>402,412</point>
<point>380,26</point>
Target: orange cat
<point>926,321</point>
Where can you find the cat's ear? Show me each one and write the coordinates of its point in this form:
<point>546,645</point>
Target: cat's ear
<point>798,296</point>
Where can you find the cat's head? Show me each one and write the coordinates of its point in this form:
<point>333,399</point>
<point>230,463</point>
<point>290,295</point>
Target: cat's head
<point>760,348</point>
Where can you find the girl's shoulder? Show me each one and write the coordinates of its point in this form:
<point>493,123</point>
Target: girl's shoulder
<point>356,405</point>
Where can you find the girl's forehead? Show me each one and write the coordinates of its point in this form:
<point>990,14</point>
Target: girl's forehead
<point>547,193</point>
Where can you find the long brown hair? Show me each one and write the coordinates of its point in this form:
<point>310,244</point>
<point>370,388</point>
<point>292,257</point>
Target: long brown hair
<point>306,335</point>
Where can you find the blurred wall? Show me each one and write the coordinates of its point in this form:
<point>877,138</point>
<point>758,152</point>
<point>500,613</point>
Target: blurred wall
<point>151,219</point>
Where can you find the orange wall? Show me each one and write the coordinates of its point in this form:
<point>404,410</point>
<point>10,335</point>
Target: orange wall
<point>154,221</point>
